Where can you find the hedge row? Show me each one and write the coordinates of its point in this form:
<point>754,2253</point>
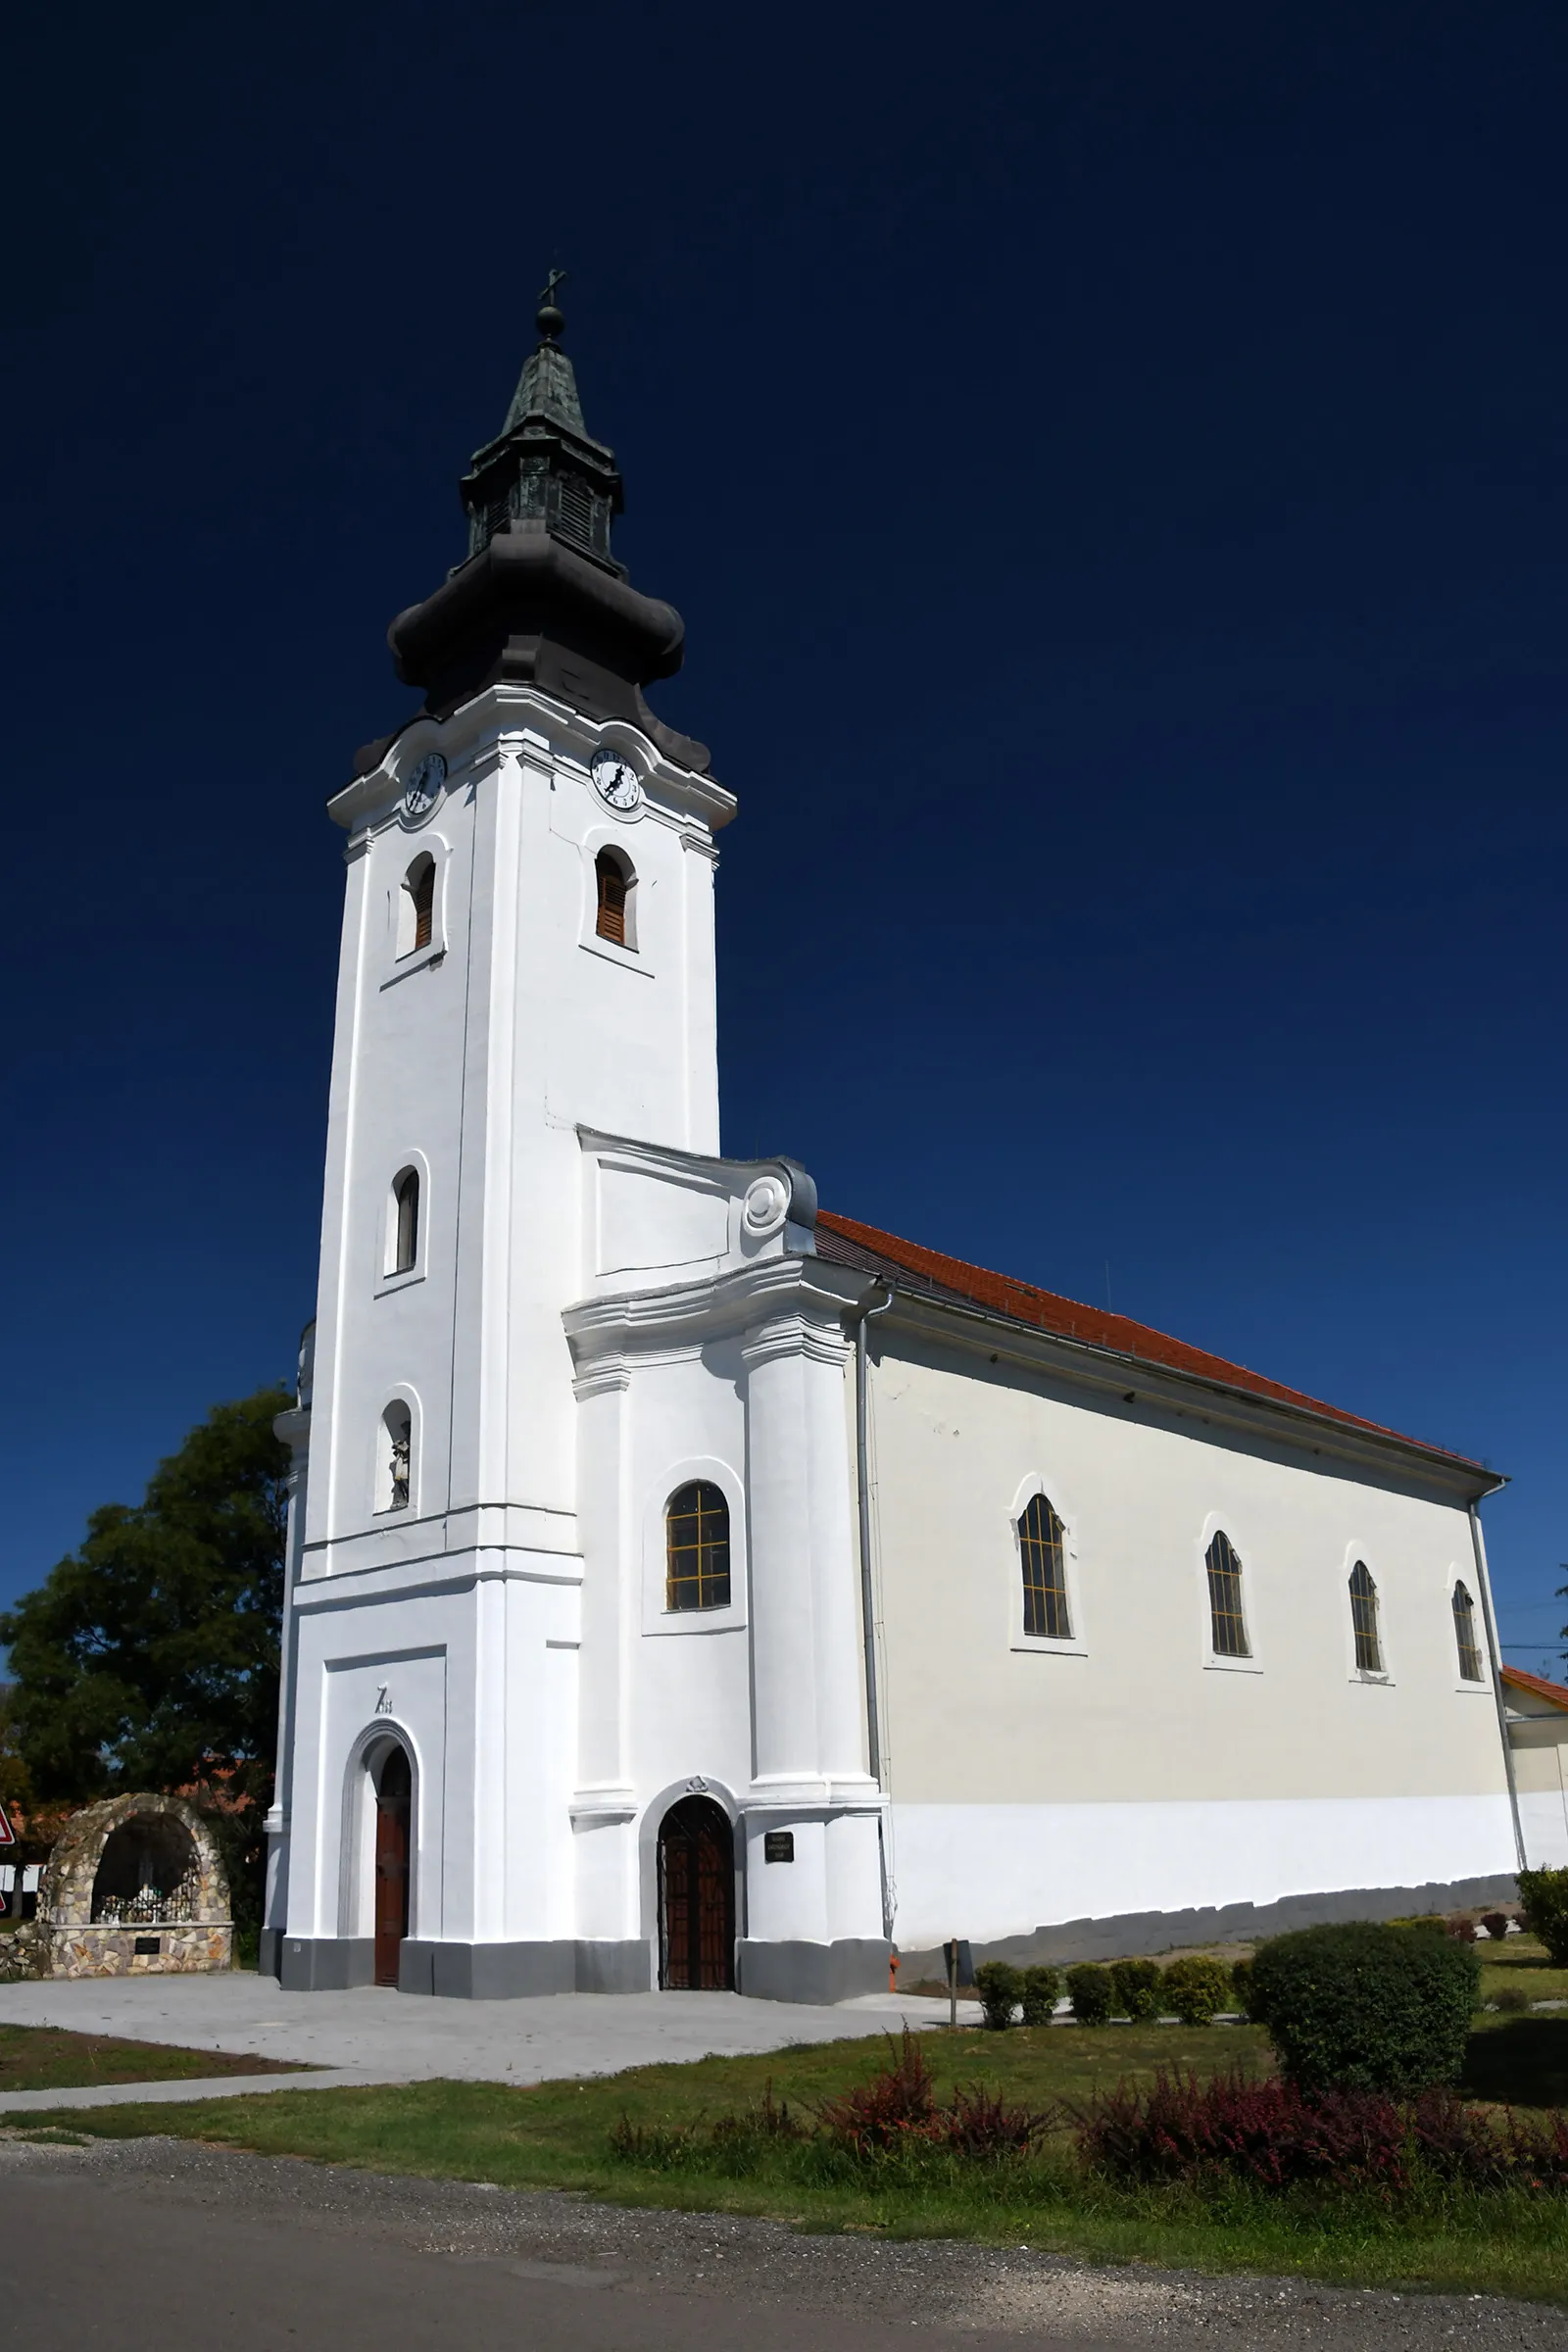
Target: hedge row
<point>1192,1988</point>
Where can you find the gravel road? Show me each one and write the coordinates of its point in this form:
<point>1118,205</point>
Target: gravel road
<point>258,2248</point>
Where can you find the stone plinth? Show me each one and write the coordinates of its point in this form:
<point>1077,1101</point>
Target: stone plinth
<point>124,1952</point>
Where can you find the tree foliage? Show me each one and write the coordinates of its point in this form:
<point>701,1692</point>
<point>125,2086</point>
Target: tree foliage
<point>149,1658</point>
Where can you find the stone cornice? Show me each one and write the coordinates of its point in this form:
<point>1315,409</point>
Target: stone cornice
<point>522,722</point>
<point>807,1295</point>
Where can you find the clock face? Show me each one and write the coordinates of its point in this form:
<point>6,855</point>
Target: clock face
<point>616,781</point>
<point>421,792</point>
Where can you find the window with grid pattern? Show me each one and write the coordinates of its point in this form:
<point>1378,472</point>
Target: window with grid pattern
<point>1229,1626</point>
<point>1464,1632</point>
<point>697,1549</point>
<point>1365,1620</point>
<point>1045,1573</point>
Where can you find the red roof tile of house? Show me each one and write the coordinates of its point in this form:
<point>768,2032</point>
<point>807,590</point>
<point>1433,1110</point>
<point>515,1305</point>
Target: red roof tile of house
<point>851,1243</point>
<point>1537,1683</point>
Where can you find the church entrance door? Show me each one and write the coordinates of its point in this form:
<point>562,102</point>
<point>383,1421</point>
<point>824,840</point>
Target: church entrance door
<point>393,1807</point>
<point>696,1898</point>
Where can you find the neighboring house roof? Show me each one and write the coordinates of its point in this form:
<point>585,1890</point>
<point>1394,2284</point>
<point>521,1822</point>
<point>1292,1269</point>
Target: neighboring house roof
<point>1537,1685</point>
<point>847,1242</point>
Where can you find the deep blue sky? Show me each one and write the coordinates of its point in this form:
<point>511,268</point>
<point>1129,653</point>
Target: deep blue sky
<point>1112,463</point>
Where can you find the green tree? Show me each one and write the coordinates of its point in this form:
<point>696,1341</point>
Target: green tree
<point>149,1658</point>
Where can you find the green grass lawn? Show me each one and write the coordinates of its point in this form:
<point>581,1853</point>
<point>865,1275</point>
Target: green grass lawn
<point>556,2135</point>
<point>1520,1966</point>
<point>45,2058</point>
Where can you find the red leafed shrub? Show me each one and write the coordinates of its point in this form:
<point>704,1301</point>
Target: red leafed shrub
<point>980,2122</point>
<point>899,2100</point>
<point>897,2108</point>
<point>1275,2136</point>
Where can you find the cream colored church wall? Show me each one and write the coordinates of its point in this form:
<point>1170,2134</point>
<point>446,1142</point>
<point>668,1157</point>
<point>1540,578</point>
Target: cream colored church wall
<point>1126,1770</point>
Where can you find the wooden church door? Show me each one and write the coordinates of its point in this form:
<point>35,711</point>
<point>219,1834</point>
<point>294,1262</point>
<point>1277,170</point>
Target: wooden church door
<point>393,1808</point>
<point>696,1898</point>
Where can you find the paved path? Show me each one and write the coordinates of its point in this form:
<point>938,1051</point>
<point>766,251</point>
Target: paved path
<point>145,2243</point>
<point>371,2037</point>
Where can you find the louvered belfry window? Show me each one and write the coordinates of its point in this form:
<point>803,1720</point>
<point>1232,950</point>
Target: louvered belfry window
<point>697,1549</point>
<point>1365,1620</point>
<point>421,890</point>
<point>1464,1629</point>
<point>406,1192</point>
<point>1227,1623</point>
<point>611,876</point>
<point>1045,1573</point>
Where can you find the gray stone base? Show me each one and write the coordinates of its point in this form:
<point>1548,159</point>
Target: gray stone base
<point>269,1952</point>
<point>326,1963</point>
<point>819,1973</point>
<point>462,1972</point>
<point>1132,1934</point>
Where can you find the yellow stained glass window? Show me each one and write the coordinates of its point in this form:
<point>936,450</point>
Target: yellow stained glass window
<point>697,1549</point>
<point>1229,1626</point>
<point>1045,1573</point>
<point>1364,1619</point>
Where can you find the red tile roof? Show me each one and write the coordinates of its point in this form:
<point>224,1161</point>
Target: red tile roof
<point>851,1243</point>
<point>1537,1683</point>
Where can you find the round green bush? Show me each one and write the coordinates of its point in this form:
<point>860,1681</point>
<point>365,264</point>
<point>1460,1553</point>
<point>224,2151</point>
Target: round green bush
<point>1196,1990</point>
<point>1138,1989</point>
<point>1544,1896</point>
<point>1040,1986</point>
<point>1244,1992</point>
<point>1001,1988</point>
<point>1091,1992</point>
<point>1364,2006</point>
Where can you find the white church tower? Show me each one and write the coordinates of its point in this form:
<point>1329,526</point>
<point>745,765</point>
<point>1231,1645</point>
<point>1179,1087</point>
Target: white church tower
<point>575,1687</point>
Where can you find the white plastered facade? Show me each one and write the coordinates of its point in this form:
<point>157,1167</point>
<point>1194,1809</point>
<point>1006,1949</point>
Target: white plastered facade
<point>599,1310</point>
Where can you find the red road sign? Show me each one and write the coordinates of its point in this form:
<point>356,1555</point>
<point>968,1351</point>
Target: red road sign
<point>8,1836</point>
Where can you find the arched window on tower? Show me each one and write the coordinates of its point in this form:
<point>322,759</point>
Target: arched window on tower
<point>416,906</point>
<point>405,1222</point>
<point>1227,1622</point>
<point>1464,1634</point>
<point>616,884</point>
<point>394,1468</point>
<point>1045,1573</point>
<point>1365,1620</point>
<point>696,1547</point>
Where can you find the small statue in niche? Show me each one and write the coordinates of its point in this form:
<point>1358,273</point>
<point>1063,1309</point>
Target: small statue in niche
<point>400,1469</point>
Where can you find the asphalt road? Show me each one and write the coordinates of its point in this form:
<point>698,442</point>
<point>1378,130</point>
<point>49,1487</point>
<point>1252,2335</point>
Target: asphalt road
<point>136,2246</point>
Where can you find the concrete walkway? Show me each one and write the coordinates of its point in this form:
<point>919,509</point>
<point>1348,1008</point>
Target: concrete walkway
<point>371,2037</point>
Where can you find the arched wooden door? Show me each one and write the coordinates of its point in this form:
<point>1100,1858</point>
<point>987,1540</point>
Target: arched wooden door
<point>394,1791</point>
<point>696,1898</point>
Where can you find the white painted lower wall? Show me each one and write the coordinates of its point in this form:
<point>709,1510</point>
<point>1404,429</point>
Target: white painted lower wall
<point>1543,1819</point>
<point>988,1872</point>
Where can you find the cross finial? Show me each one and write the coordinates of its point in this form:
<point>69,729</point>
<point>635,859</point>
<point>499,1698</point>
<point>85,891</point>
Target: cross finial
<point>548,319</point>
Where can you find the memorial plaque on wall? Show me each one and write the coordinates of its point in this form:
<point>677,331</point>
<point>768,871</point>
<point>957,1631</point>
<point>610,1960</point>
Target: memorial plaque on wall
<point>778,1845</point>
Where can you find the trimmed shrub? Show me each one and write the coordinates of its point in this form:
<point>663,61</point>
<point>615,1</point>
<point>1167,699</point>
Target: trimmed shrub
<point>1363,2006</point>
<point>1195,1989</point>
<point>1496,1924</point>
<point>1138,1989</point>
<point>1091,1992</point>
<point>1000,1988</point>
<point>1462,1928</point>
<point>1038,1995</point>
<point>1544,1896</point>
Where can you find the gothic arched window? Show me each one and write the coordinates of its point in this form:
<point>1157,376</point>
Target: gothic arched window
<point>417,912</point>
<point>1228,1624</point>
<point>1464,1634</point>
<point>1045,1573</point>
<point>1365,1620</point>
<point>696,1547</point>
<point>613,880</point>
<point>405,1222</point>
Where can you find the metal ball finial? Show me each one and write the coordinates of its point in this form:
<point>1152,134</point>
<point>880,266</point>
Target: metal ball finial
<point>548,319</point>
